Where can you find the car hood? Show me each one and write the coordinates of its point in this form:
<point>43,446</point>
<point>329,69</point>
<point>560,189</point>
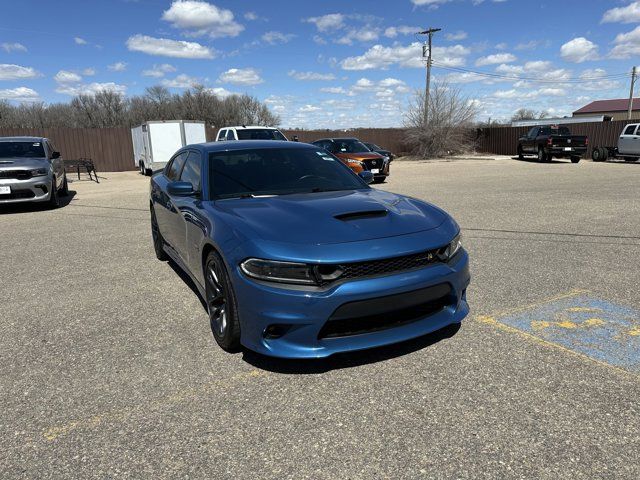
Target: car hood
<point>330,217</point>
<point>23,163</point>
<point>359,156</point>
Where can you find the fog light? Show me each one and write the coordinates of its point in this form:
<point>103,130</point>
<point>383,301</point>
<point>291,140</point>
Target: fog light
<point>276,330</point>
<point>43,188</point>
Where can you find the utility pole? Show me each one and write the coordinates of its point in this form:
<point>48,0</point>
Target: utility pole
<point>633,83</point>
<point>426,52</point>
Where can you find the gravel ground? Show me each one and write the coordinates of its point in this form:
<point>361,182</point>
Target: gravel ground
<point>108,367</point>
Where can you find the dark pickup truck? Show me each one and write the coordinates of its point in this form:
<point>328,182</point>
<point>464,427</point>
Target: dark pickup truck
<point>550,141</point>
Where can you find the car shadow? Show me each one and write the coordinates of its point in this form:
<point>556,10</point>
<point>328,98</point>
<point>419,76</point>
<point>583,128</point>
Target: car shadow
<point>187,279</point>
<point>25,207</point>
<point>535,160</point>
<point>347,360</point>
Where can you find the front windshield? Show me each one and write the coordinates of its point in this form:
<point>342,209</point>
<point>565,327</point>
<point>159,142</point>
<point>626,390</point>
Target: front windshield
<point>278,171</point>
<point>348,146</point>
<point>260,134</point>
<point>21,150</point>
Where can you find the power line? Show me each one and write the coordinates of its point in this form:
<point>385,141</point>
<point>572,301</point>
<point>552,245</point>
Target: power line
<point>577,80</point>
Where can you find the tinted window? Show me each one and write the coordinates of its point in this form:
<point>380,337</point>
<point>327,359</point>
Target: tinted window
<point>554,131</point>
<point>21,150</point>
<point>278,171</point>
<point>230,135</point>
<point>174,168</point>
<point>191,170</point>
<point>348,146</point>
<point>533,132</point>
<point>629,130</point>
<point>260,134</point>
<point>222,134</point>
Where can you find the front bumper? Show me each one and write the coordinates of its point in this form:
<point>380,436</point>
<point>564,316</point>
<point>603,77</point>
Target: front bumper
<point>305,312</point>
<point>35,189</point>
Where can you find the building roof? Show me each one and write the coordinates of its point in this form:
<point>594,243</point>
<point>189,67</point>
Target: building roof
<point>614,105</point>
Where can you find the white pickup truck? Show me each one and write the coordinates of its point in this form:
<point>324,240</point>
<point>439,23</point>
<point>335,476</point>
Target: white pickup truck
<point>628,146</point>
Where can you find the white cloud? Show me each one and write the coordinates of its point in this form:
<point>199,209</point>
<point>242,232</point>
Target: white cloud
<point>274,38</point>
<point>19,94</point>
<point>596,82</point>
<point>16,72</point>
<point>168,48</point>
<point>89,71</point>
<point>251,16</point>
<point>335,90</point>
<point>627,45</point>
<point>91,88</point>
<point>306,76</point>
<point>79,41</point>
<point>379,57</point>
<point>240,76</point>
<point>456,36</point>
<point>309,108</point>
<point>332,21</point>
<point>628,14</point>
<point>495,59</point>
<point>159,71</point>
<point>117,67</point>
<point>13,47</point>
<point>64,76</point>
<point>393,32</point>
<point>364,34</point>
<point>579,50</point>
<point>181,81</point>
<point>220,92</point>
<point>202,18</point>
<point>429,3</point>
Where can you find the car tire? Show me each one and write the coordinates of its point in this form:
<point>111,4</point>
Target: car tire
<point>54,199</point>
<point>148,172</point>
<point>158,241</point>
<point>542,156</point>
<point>520,154</point>
<point>575,159</point>
<point>141,169</point>
<point>221,303</point>
<point>597,155</point>
<point>64,191</point>
<point>379,180</point>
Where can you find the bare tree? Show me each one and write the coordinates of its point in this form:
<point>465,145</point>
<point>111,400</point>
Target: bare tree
<point>450,119</point>
<point>528,114</point>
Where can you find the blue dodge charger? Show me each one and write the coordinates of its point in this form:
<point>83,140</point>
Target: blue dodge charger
<point>297,257</point>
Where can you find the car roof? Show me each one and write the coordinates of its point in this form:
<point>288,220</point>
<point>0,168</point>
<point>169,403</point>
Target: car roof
<point>22,139</point>
<point>248,127</point>
<point>235,145</point>
<point>338,139</point>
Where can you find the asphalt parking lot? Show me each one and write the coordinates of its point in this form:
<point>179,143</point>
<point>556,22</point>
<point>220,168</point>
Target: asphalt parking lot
<point>108,367</point>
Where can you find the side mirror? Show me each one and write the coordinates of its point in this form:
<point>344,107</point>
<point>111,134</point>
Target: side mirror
<point>180,189</point>
<point>366,175</point>
<point>295,138</point>
<point>55,155</point>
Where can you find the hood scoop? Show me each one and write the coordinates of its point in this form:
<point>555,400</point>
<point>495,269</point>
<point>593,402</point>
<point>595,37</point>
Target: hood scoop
<point>346,217</point>
<point>6,162</point>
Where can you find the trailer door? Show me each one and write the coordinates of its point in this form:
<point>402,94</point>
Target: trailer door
<point>194,133</point>
<point>165,140</point>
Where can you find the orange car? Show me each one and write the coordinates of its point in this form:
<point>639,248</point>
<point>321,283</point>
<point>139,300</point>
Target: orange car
<point>357,156</point>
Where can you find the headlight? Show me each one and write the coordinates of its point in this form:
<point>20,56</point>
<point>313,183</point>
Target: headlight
<point>454,247</point>
<point>39,172</point>
<point>284,272</point>
<point>352,161</point>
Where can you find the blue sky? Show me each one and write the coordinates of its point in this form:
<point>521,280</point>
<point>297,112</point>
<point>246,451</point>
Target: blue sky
<point>329,63</point>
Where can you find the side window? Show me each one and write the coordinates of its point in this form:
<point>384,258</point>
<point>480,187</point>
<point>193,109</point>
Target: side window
<point>191,170</point>
<point>173,169</point>
<point>230,135</point>
<point>222,135</point>
<point>533,132</point>
<point>629,130</point>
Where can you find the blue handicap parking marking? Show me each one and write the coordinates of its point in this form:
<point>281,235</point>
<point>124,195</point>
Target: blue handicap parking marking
<point>597,328</point>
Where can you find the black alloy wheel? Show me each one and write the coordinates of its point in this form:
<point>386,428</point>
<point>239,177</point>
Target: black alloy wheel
<point>54,200</point>
<point>221,304</point>
<point>158,241</point>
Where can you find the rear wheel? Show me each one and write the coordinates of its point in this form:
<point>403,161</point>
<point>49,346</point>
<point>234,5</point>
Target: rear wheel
<point>542,156</point>
<point>158,241</point>
<point>596,154</point>
<point>221,303</point>
<point>575,159</point>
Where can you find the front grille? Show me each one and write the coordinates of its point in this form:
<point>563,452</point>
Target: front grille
<point>16,174</point>
<point>375,268</point>
<point>368,316</point>
<point>376,163</point>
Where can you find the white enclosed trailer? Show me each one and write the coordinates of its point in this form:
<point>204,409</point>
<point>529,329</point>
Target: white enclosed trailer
<point>155,142</point>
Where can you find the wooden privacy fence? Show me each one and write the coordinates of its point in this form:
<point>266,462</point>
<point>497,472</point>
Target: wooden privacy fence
<point>504,140</point>
<point>110,149</point>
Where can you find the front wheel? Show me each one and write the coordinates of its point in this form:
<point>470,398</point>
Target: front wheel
<point>221,304</point>
<point>158,241</point>
<point>64,191</point>
<point>54,200</point>
<point>520,154</point>
<point>575,159</point>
